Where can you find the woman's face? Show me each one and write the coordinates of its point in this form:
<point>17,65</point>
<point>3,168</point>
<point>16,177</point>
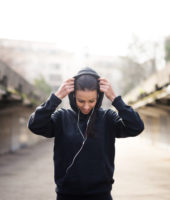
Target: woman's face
<point>86,100</point>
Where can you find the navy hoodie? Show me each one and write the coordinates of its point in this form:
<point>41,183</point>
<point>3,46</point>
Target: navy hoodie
<point>84,166</point>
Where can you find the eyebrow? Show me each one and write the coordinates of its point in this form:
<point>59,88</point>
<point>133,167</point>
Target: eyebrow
<point>84,100</point>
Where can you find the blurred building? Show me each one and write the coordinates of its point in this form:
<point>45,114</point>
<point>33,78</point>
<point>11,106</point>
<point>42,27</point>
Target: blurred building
<point>33,59</point>
<point>152,100</point>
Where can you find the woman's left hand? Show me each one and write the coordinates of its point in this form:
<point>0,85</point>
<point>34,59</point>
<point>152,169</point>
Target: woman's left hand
<point>106,87</point>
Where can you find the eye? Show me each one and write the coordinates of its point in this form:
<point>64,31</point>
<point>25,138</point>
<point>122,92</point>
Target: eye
<point>80,101</point>
<point>91,101</point>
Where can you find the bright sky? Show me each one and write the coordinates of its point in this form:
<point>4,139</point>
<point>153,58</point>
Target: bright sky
<point>98,26</point>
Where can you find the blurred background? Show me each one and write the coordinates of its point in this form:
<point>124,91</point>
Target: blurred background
<point>42,43</point>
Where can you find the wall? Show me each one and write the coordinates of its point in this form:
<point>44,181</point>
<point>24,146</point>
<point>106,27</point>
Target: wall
<point>14,133</point>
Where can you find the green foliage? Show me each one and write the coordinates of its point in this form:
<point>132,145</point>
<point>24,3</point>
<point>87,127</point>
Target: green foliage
<point>41,84</point>
<point>167,49</point>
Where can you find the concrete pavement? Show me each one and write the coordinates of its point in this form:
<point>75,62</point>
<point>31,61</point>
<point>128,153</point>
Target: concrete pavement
<point>142,172</point>
<point>28,174</point>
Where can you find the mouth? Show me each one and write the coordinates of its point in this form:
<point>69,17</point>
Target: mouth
<point>85,111</point>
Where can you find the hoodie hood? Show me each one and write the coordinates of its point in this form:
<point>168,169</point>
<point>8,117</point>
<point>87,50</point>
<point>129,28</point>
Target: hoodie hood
<point>72,100</point>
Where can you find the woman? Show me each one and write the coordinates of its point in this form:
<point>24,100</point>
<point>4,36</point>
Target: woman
<point>84,135</point>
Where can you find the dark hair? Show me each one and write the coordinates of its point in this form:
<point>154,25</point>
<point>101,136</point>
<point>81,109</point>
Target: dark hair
<point>88,82</point>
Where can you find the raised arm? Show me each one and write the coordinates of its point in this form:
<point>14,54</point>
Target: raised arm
<point>41,121</point>
<point>45,120</point>
<point>127,122</point>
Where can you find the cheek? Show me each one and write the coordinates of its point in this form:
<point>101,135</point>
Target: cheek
<point>78,104</point>
<point>93,104</point>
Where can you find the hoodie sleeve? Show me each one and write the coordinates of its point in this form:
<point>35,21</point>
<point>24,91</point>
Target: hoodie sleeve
<point>41,122</point>
<point>127,123</point>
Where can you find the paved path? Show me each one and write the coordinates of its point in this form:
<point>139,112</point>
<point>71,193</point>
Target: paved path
<point>142,172</point>
<point>28,174</point>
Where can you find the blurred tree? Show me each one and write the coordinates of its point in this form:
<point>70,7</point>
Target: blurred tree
<point>143,51</point>
<point>132,73</point>
<point>138,65</point>
<point>41,84</point>
<point>167,48</point>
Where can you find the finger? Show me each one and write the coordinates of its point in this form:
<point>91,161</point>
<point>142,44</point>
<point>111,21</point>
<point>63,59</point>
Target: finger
<point>69,83</point>
<point>69,80</point>
<point>104,83</point>
<point>71,89</point>
<point>104,88</point>
<point>69,86</point>
<point>103,79</point>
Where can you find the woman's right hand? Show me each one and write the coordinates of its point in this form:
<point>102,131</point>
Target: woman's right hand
<point>65,88</point>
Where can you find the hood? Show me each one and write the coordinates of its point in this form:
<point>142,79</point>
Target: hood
<point>71,96</point>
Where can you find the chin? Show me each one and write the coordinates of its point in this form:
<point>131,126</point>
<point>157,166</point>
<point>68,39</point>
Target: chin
<point>85,112</point>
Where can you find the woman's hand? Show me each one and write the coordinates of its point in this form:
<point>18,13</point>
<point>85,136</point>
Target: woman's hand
<point>106,87</point>
<point>66,87</point>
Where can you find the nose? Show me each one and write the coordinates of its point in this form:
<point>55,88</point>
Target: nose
<point>86,107</point>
